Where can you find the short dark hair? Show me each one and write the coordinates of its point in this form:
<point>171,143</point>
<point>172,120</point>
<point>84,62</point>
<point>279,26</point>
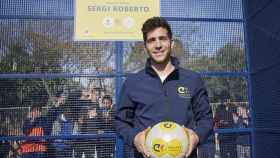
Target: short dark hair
<point>153,23</point>
<point>108,97</point>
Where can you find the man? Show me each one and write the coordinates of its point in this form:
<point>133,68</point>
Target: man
<point>63,126</point>
<point>224,118</point>
<point>89,124</point>
<point>37,125</point>
<point>107,111</point>
<point>164,92</point>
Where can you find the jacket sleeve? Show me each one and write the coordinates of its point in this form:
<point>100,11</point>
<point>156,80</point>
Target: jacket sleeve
<point>27,125</point>
<point>202,113</point>
<point>53,114</point>
<point>50,118</point>
<point>124,119</point>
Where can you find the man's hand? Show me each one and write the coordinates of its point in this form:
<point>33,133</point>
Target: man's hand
<point>193,141</point>
<point>139,142</point>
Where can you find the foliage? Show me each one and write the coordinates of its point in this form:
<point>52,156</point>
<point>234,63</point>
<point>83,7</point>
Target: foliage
<point>230,58</point>
<point>43,47</point>
<point>137,56</point>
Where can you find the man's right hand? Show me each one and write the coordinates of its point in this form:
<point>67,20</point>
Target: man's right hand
<point>139,142</point>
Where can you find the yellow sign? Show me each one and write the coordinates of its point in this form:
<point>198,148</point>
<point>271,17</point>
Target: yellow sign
<point>112,19</point>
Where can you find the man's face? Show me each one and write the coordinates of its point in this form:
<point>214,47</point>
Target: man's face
<point>158,45</point>
<point>61,100</point>
<point>107,103</point>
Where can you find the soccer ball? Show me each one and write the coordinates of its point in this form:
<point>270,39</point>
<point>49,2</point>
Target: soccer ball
<point>167,140</point>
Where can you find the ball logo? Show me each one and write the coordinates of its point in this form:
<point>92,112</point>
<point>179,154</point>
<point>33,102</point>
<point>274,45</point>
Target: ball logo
<point>167,139</point>
<point>159,147</point>
<point>168,126</point>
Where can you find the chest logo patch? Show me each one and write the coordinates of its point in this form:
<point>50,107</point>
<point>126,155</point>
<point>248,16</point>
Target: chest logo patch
<point>183,92</point>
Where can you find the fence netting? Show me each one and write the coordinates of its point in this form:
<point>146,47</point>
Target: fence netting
<point>58,95</point>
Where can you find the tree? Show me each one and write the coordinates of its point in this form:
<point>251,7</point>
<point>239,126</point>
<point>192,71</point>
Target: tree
<point>230,58</point>
<point>136,57</point>
<point>44,47</point>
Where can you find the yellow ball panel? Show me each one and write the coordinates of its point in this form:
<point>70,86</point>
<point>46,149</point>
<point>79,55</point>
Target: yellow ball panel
<point>167,140</point>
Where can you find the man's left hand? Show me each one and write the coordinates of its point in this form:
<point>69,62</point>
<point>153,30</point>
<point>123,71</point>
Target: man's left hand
<point>193,141</point>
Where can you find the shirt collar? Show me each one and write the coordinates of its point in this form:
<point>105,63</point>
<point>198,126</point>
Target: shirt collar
<point>174,61</point>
